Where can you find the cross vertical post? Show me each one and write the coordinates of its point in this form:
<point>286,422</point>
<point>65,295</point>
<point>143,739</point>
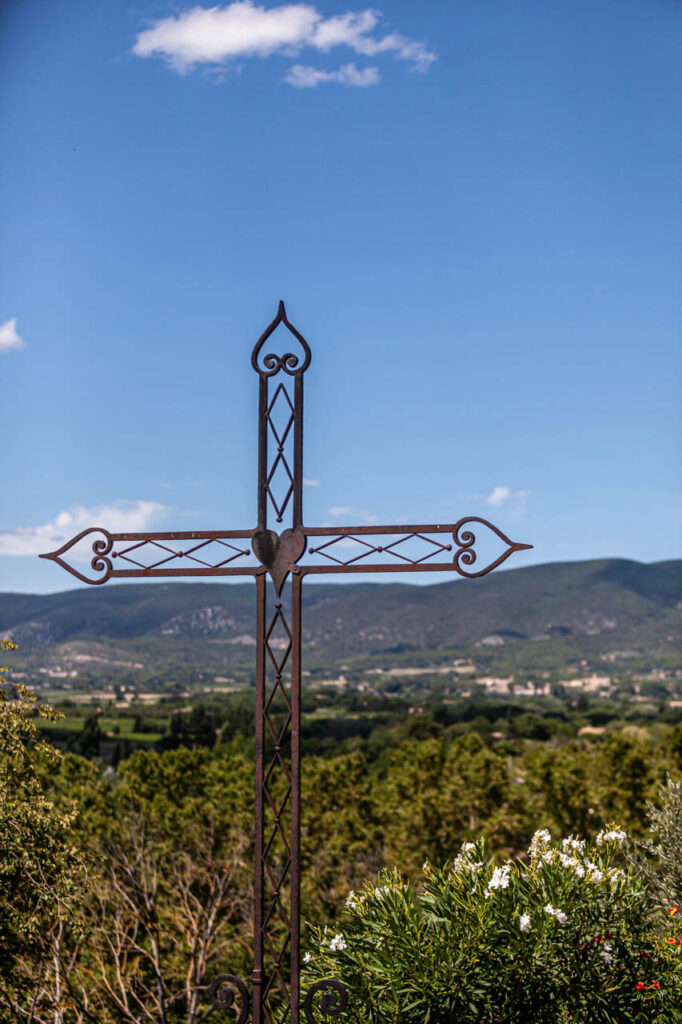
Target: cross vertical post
<point>285,556</point>
<point>278,740</point>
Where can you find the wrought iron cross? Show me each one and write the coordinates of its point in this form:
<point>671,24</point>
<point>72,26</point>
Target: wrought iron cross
<point>295,552</point>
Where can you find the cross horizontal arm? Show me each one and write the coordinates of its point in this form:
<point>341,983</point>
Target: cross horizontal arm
<point>425,548</point>
<point>158,555</point>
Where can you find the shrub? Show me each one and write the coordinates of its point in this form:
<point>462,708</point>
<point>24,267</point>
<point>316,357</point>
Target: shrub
<point>560,937</point>
<point>658,858</point>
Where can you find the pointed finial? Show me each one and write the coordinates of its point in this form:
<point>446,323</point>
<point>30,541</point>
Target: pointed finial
<point>290,362</point>
<point>101,547</point>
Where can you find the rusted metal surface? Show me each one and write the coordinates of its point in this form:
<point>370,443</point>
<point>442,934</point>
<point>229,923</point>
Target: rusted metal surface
<point>286,557</point>
<point>339,549</point>
<point>145,555</point>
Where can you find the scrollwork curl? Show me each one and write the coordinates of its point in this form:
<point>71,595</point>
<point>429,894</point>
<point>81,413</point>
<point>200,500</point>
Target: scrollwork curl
<point>222,996</point>
<point>99,563</point>
<point>332,1003</point>
<point>289,362</point>
<point>100,549</point>
<point>465,540</point>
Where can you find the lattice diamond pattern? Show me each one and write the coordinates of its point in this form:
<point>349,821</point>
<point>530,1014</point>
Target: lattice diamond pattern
<point>408,548</point>
<point>280,480</point>
<point>280,415</point>
<point>153,554</point>
<point>276,924</point>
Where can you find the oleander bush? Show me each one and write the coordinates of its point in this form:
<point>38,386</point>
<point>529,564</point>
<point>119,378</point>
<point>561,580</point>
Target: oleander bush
<point>561,936</point>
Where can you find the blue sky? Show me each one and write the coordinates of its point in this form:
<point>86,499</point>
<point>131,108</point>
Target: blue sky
<point>470,207</point>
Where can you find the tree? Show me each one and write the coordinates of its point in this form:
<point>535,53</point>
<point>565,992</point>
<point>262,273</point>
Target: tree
<point>40,870</point>
<point>162,924</point>
<point>90,737</point>
<point>625,779</point>
<point>442,794</point>
<point>558,789</point>
<point>659,857</point>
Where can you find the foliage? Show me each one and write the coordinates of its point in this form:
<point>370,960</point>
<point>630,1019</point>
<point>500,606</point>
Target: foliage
<point>558,938</point>
<point>163,874</point>
<point>465,776</point>
<point>40,869</point>
<point>168,899</point>
<point>157,919</point>
<point>658,858</point>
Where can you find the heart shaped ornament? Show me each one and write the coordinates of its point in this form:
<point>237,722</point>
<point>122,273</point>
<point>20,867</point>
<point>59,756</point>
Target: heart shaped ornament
<point>278,553</point>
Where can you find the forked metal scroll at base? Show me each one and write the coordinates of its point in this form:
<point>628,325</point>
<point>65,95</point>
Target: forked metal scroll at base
<point>221,994</point>
<point>332,1004</point>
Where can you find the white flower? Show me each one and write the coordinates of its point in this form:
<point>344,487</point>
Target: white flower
<point>573,844</point>
<point>354,900</point>
<point>307,958</point>
<point>524,923</point>
<point>606,953</point>
<point>540,840</point>
<point>616,875</point>
<point>549,856</point>
<point>615,835</point>
<point>462,861</point>
<point>499,880</point>
<point>594,873</point>
<point>338,943</point>
<point>571,863</point>
<point>500,877</point>
<point>425,867</point>
<point>381,891</point>
<point>555,912</point>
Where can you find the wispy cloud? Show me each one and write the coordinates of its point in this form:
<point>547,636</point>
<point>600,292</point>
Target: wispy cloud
<point>215,36</point>
<point>500,495</point>
<point>303,76</point>
<point>309,482</point>
<point>9,336</point>
<point>118,517</point>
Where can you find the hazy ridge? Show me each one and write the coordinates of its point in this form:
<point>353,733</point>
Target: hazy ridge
<point>609,598</point>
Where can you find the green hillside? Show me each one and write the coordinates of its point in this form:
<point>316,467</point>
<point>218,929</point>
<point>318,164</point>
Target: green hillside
<point>605,597</point>
<point>520,653</point>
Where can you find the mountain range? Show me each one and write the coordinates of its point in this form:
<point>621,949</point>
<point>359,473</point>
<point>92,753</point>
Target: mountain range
<point>614,600</point>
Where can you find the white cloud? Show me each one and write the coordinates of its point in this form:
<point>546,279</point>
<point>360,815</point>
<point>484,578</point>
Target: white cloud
<point>9,337</point>
<point>303,76</point>
<point>309,482</point>
<point>499,495</point>
<point>119,517</point>
<point>217,35</point>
